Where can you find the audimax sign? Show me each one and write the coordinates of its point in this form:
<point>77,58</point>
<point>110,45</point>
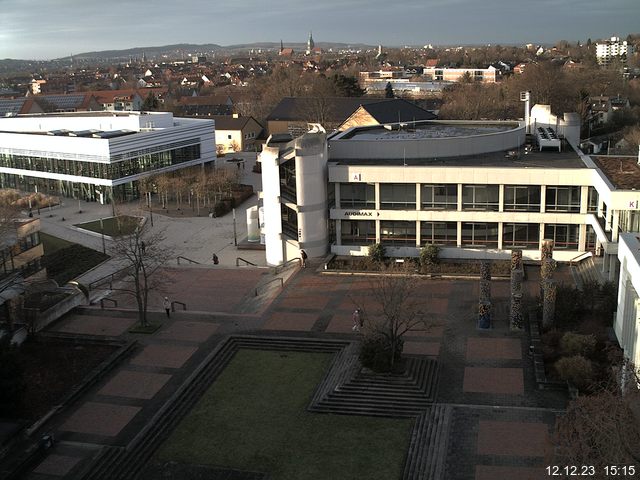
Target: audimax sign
<point>361,213</point>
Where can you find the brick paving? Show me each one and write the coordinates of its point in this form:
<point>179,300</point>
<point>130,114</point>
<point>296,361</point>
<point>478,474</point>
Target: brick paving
<point>104,419</point>
<point>169,356</point>
<point>506,439</point>
<point>56,465</point>
<point>94,325</point>
<point>520,439</point>
<point>494,348</point>
<point>131,384</point>
<point>188,331</point>
<point>493,380</point>
<point>490,472</point>
<point>291,321</point>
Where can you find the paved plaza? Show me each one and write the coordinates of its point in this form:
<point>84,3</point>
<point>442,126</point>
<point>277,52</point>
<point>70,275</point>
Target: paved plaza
<point>500,421</point>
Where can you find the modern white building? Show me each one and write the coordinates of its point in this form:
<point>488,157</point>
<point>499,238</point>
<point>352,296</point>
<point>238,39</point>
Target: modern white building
<point>612,49</point>
<point>445,74</point>
<point>626,325</point>
<point>98,155</point>
<point>477,189</point>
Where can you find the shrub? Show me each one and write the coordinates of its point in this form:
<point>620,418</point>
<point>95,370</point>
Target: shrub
<point>429,255</point>
<point>375,353</point>
<point>576,370</point>
<point>377,252</point>
<point>12,382</point>
<point>577,344</point>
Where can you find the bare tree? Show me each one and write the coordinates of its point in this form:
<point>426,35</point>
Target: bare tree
<point>398,306</point>
<point>144,253</point>
<point>601,429</point>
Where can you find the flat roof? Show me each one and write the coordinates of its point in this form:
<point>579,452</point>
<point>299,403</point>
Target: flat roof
<point>517,158</point>
<point>426,129</point>
<point>623,172</point>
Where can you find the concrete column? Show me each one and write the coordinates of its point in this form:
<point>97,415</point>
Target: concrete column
<point>582,238</point>
<point>377,192</point>
<point>459,199</point>
<point>541,237</point>
<point>418,198</point>
<point>377,230</point>
<point>613,268</point>
<point>459,239</point>
<point>584,199</point>
<point>607,223</point>
<point>600,207</point>
<point>543,200</point>
<point>615,222</point>
<point>605,264</point>
<point>418,234</point>
<point>500,235</point>
<point>338,231</point>
<point>500,206</point>
<point>336,186</point>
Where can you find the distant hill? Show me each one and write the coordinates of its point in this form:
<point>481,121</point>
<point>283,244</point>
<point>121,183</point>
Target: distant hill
<point>192,49</point>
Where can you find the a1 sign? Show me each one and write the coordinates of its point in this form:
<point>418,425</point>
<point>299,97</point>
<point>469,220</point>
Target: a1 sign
<point>356,177</point>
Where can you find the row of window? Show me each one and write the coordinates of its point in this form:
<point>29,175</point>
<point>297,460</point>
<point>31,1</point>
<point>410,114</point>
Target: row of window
<point>474,234</point>
<point>109,171</point>
<point>517,198</point>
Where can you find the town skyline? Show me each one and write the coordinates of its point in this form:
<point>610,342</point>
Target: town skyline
<point>60,29</point>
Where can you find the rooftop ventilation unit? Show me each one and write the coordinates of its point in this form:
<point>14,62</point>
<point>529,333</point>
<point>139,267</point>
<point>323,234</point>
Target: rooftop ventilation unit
<point>547,138</point>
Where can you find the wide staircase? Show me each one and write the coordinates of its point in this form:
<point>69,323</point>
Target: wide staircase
<point>585,271</point>
<point>349,390</point>
<point>428,448</point>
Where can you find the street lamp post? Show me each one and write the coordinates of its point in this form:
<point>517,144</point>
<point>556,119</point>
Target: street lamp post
<point>235,238</point>
<point>104,250</point>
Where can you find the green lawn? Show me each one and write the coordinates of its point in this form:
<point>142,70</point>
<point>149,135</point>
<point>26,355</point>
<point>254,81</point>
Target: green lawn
<point>65,260</point>
<point>254,418</point>
<point>52,244</point>
<point>113,226</point>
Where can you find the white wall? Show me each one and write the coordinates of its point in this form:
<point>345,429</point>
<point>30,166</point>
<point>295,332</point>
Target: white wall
<point>627,318</point>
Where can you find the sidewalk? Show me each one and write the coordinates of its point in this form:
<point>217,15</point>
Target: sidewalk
<point>196,238</point>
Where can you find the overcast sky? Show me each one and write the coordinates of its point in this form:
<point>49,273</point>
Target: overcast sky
<point>47,29</point>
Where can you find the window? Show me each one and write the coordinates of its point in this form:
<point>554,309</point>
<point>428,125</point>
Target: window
<point>591,239</point>
<point>480,197</point>
<point>483,235</point>
<point>358,232</point>
<point>358,195</point>
<point>563,199</point>
<point>398,233</point>
<point>229,136</point>
<point>398,196</point>
<point>288,180</point>
<point>629,221</point>
<point>521,198</point>
<point>439,233</point>
<point>289,221</point>
<point>521,235</point>
<point>592,200</point>
<point>565,237</point>
<point>439,197</point>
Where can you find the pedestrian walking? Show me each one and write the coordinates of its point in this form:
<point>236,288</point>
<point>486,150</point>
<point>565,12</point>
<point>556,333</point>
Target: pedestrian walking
<point>167,306</point>
<point>303,255</point>
<point>357,320</point>
<point>215,259</point>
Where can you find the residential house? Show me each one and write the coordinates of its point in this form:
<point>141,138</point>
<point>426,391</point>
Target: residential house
<point>293,114</point>
<point>386,111</point>
<point>199,106</point>
<point>235,133</point>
